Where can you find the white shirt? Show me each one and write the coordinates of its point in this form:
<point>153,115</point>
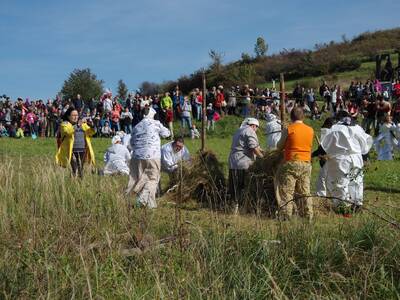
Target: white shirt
<point>244,142</point>
<point>107,105</point>
<point>334,96</point>
<point>126,115</point>
<point>145,141</point>
<point>194,132</point>
<point>170,159</point>
<point>144,103</point>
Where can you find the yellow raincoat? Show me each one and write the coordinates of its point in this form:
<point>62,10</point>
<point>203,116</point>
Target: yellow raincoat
<point>64,153</point>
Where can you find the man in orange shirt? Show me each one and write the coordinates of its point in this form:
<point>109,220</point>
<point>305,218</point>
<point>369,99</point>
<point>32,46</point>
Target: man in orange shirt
<point>293,176</point>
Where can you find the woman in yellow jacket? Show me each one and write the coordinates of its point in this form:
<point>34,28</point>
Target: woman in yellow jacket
<point>74,145</point>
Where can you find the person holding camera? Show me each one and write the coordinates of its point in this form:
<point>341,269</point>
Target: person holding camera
<point>74,142</point>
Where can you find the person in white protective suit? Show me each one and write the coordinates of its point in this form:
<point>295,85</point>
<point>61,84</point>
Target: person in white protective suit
<point>320,153</point>
<point>145,165</point>
<point>386,141</point>
<point>172,154</point>
<point>117,158</point>
<point>345,144</point>
<point>273,131</point>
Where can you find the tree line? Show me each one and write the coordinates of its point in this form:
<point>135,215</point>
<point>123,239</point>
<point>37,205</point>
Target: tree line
<point>323,59</point>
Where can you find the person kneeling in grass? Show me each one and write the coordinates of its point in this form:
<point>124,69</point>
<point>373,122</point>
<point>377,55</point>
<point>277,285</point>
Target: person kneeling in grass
<point>117,158</point>
<point>172,155</point>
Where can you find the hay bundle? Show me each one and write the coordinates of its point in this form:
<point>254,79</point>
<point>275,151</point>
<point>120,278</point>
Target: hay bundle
<point>261,191</point>
<point>203,180</point>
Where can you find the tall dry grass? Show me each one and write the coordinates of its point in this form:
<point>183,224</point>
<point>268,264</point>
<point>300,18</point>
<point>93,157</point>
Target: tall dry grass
<point>68,238</point>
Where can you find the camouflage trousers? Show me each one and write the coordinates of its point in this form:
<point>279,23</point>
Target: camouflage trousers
<point>292,188</point>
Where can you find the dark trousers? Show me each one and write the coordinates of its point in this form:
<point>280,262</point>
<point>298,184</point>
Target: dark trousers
<point>237,185</point>
<point>77,163</point>
<point>327,103</point>
<point>232,110</point>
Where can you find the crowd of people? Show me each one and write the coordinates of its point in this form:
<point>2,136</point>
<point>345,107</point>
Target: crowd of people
<point>138,123</point>
<point>110,114</point>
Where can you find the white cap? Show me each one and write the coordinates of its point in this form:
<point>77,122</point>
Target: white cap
<point>120,133</point>
<point>116,139</point>
<point>244,123</point>
<point>253,121</point>
<point>250,121</point>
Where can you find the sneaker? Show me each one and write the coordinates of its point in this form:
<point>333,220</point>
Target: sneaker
<point>138,204</point>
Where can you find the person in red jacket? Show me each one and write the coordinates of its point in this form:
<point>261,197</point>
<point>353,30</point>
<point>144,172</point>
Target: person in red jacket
<point>219,100</point>
<point>396,88</point>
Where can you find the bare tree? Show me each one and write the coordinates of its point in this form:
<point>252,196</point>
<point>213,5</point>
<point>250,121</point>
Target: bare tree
<point>216,59</point>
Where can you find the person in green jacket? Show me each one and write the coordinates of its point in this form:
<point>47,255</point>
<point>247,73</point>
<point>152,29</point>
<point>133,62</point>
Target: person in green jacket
<point>166,102</point>
<point>168,113</point>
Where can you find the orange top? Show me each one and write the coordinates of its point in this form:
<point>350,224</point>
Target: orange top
<point>298,143</point>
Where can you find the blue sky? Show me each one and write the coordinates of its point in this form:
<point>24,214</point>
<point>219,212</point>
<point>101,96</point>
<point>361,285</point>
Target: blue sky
<point>42,41</point>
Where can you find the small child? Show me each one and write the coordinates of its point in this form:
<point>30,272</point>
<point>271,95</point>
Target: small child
<point>20,133</point>
<point>210,117</point>
<point>315,113</point>
<point>194,132</point>
<point>3,131</point>
<point>106,130</point>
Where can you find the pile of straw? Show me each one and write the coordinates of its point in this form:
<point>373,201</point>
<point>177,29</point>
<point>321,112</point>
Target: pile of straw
<point>202,180</point>
<point>261,193</point>
<point>261,188</point>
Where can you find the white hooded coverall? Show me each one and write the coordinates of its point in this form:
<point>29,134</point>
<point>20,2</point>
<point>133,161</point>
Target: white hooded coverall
<point>345,146</point>
<point>273,131</point>
<point>117,159</point>
<point>145,166</point>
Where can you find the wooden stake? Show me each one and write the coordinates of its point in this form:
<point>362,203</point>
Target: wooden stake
<point>204,115</point>
<point>282,100</point>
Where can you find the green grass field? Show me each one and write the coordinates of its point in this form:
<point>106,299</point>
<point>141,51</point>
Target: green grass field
<point>67,238</point>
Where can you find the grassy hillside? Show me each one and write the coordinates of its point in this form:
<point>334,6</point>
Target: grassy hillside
<point>66,238</point>
<point>340,61</point>
<point>364,72</point>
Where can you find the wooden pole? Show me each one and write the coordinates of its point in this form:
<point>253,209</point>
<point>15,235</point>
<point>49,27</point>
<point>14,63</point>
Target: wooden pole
<point>204,115</point>
<point>282,100</point>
